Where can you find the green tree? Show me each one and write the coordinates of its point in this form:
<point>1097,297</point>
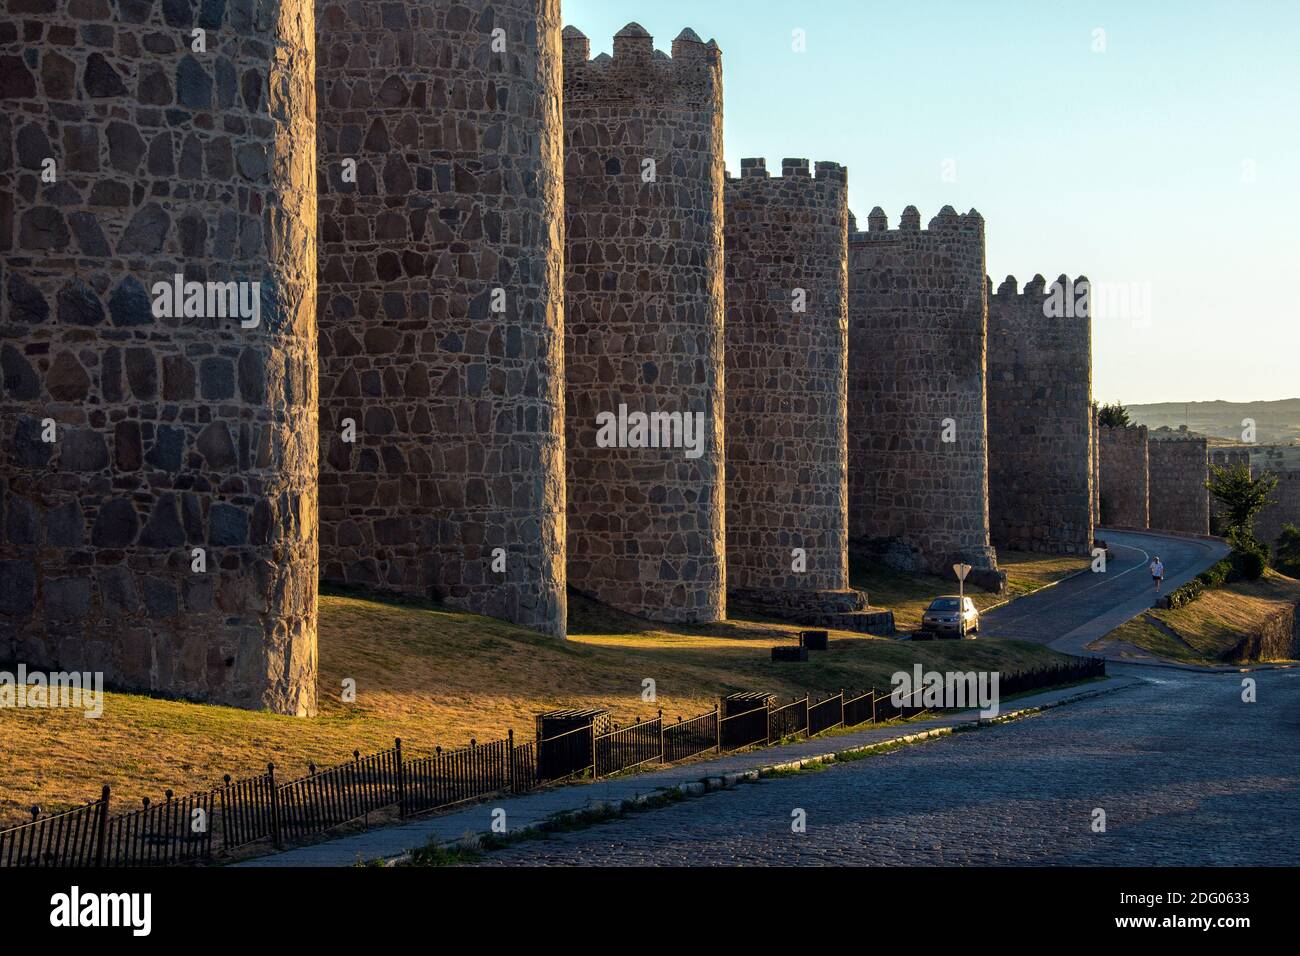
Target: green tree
<point>1287,550</point>
<point>1114,416</point>
<point>1242,497</point>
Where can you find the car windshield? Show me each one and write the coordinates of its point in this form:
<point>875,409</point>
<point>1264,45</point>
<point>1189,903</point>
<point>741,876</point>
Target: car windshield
<point>943,604</point>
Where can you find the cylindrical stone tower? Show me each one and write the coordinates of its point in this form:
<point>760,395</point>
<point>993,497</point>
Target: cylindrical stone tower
<point>918,443</point>
<point>787,379</point>
<point>643,325</point>
<point>441,271</point>
<point>158,412</point>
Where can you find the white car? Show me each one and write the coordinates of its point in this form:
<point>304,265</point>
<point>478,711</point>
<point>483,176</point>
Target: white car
<point>951,616</point>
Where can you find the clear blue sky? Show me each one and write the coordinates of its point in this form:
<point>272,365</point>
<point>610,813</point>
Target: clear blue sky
<point>1171,160</point>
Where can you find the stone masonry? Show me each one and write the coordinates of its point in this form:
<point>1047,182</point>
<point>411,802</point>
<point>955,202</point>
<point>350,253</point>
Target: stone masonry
<point>1040,417</point>
<point>441,269</point>
<point>1224,458</point>
<point>158,491</point>
<point>644,321</point>
<point>1286,508</point>
<point>1096,467</point>
<point>1125,476</point>
<point>1179,499</point>
<point>918,449</point>
<point>787,352</point>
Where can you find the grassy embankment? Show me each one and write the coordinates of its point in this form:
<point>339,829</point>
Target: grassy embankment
<point>1200,632</point>
<point>434,676</point>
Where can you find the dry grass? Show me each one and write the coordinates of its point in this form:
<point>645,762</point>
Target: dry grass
<point>908,594</point>
<point>1213,623</point>
<point>433,676</point>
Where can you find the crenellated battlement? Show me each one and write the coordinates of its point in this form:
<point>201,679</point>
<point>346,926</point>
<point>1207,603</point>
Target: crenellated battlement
<point>947,220</point>
<point>756,169</point>
<point>637,72</point>
<point>1037,286</point>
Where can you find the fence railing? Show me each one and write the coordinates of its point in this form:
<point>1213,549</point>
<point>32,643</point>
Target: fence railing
<point>239,813</point>
<point>566,754</point>
<point>826,714</point>
<point>175,831</point>
<point>686,738</point>
<point>630,746</point>
<point>70,838</point>
<point>744,729</point>
<point>325,799</point>
<point>787,721</point>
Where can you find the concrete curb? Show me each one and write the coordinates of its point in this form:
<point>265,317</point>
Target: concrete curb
<point>729,780</point>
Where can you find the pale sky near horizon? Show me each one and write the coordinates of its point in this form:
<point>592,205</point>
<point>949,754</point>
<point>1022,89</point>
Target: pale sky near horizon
<point>1167,163</point>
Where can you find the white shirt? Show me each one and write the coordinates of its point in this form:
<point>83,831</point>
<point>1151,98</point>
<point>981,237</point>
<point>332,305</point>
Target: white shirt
<point>1157,569</point>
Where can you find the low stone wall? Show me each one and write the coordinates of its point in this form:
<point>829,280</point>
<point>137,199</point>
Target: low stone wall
<point>1278,639</point>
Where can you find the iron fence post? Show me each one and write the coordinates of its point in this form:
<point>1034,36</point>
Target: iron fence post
<point>717,726</point>
<point>593,749</point>
<point>102,836</point>
<point>401,781</point>
<point>275,806</point>
<point>661,736</point>
<point>510,759</point>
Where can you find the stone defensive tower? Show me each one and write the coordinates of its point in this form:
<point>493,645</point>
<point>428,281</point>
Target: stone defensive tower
<point>158,489</point>
<point>1225,458</point>
<point>1040,416</point>
<point>787,377</point>
<point>441,269</point>
<point>1179,499</point>
<point>918,448</point>
<point>643,324</point>
<point>1125,476</point>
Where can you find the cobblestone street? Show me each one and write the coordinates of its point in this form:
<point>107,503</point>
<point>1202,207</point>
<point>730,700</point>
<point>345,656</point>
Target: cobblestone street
<point>1185,772</point>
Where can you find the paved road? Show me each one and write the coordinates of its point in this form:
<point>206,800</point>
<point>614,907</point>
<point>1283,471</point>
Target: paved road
<point>1186,773</point>
<point>1083,608</point>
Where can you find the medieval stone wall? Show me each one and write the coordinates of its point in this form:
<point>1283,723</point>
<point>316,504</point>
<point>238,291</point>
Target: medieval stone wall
<point>1125,476</point>
<point>441,270</point>
<point>644,322</point>
<point>1040,417</point>
<point>1224,458</point>
<point>1096,467</point>
<point>1179,500</point>
<point>787,353</point>
<point>1268,526</point>
<point>158,491</point>
<point>918,448</point>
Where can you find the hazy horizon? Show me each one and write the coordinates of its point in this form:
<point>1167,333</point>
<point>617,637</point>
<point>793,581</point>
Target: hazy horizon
<point>1164,162</point>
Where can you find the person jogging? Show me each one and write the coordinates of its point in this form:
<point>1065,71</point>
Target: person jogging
<point>1157,571</point>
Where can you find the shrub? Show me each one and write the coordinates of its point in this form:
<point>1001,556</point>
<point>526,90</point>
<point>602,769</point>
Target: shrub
<point>1250,562</point>
<point>1287,550</point>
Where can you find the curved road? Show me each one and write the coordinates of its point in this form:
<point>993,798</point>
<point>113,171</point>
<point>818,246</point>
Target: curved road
<point>1081,609</point>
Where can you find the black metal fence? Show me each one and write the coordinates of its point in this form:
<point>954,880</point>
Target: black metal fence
<point>630,746</point>
<point>176,831</point>
<point>826,714</point>
<point>239,813</point>
<point>787,721</point>
<point>686,738</point>
<point>71,838</point>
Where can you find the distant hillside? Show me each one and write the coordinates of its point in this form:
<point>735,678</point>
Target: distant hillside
<point>1275,422</point>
